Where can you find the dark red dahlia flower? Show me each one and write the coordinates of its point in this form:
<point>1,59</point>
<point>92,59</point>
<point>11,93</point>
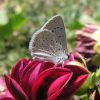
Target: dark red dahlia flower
<point>41,80</point>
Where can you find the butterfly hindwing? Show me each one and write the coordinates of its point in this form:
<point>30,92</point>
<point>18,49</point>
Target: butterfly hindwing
<point>42,41</point>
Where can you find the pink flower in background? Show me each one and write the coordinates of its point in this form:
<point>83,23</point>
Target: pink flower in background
<point>4,93</point>
<point>41,80</point>
<point>85,42</point>
<point>88,45</point>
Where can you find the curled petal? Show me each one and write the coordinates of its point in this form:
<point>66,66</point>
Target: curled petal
<point>15,89</point>
<point>7,98</point>
<point>41,85</point>
<point>80,74</point>
<point>17,69</point>
<point>57,86</point>
<point>28,78</point>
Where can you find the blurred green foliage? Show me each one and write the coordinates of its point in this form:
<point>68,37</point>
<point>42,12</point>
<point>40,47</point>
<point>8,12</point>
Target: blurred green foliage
<point>19,19</point>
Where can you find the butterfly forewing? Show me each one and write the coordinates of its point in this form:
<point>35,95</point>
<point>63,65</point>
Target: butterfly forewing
<point>56,26</point>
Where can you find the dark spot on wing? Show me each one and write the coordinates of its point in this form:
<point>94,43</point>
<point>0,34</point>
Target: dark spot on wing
<point>36,39</point>
<point>43,40</point>
<point>59,36</point>
<point>59,49</point>
<point>52,30</point>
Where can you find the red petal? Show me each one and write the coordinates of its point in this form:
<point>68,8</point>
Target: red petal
<point>76,68</point>
<point>40,86</point>
<point>74,84</point>
<point>79,76</point>
<point>30,77</point>
<point>15,89</point>
<point>7,98</point>
<point>58,85</point>
<point>17,68</point>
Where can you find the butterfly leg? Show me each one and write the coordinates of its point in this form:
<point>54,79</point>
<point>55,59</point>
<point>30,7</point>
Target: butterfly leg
<point>57,63</point>
<point>63,64</point>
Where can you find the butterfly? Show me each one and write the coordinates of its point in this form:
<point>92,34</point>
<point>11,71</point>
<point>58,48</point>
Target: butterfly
<point>49,42</point>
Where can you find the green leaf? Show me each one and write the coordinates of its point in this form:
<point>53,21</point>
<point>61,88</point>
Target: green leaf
<point>84,97</point>
<point>98,76</point>
<point>96,60</point>
<point>75,24</point>
<point>17,21</point>
<point>5,30</point>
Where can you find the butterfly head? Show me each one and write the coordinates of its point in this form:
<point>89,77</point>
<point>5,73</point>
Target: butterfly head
<point>61,58</point>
